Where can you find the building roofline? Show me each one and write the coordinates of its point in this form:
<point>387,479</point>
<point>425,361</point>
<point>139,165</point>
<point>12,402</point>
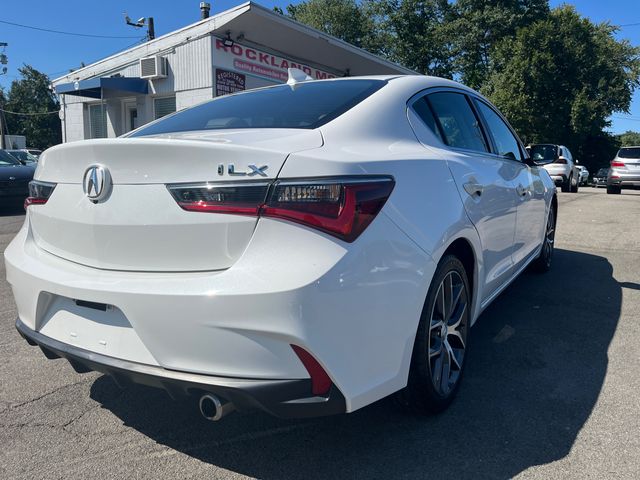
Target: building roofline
<point>207,26</point>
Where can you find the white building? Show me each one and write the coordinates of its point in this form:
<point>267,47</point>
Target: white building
<point>245,47</point>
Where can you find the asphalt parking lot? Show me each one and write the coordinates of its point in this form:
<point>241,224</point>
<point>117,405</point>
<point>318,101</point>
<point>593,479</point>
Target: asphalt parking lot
<point>552,390</point>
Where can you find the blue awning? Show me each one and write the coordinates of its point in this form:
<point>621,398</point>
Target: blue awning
<point>94,87</point>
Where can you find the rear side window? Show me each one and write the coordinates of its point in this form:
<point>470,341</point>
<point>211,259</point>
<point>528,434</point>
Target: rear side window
<point>458,123</point>
<point>631,152</point>
<point>423,110</point>
<point>505,142</point>
<point>306,105</point>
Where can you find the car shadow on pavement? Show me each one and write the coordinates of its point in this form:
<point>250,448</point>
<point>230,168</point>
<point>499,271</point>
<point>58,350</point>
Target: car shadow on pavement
<point>536,367</point>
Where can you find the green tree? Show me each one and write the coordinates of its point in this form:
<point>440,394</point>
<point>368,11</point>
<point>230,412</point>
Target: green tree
<point>412,33</point>
<point>343,19</point>
<point>560,79</point>
<point>478,26</point>
<point>32,97</point>
<point>629,138</point>
<point>409,32</point>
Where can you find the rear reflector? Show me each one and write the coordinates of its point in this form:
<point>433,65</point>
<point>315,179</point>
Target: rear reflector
<point>320,381</point>
<point>342,207</point>
<point>39,193</point>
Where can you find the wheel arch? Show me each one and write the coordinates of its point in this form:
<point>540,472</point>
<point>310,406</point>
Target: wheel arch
<point>466,251</point>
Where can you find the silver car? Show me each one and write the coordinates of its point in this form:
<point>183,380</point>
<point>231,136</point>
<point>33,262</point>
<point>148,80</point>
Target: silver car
<point>625,170</point>
<point>584,175</point>
<point>563,168</point>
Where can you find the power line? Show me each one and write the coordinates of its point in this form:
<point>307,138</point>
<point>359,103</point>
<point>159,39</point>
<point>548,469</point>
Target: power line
<point>630,24</point>
<point>627,118</point>
<point>28,114</point>
<point>63,33</point>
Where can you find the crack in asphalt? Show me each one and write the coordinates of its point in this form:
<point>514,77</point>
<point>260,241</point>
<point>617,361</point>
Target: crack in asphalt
<point>51,392</point>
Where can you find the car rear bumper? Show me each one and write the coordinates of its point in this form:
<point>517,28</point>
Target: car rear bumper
<point>353,307</point>
<point>282,398</point>
<point>624,180</point>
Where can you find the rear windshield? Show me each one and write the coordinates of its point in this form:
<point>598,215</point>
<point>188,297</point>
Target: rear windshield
<point>630,152</point>
<point>6,159</point>
<point>603,172</point>
<point>544,152</point>
<point>306,105</point>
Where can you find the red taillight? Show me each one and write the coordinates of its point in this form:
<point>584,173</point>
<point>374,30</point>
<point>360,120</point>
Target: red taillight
<point>562,161</point>
<point>343,209</point>
<point>320,381</point>
<point>243,199</point>
<point>340,207</point>
<point>617,163</point>
<point>39,193</point>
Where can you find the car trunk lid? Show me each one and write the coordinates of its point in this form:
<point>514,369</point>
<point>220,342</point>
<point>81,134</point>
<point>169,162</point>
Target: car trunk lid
<point>139,226</point>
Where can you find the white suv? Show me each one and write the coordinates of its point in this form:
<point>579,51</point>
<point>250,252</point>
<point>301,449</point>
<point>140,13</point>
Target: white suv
<point>562,169</point>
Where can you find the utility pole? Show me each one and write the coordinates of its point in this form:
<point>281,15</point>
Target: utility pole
<point>3,63</point>
<point>151,32</point>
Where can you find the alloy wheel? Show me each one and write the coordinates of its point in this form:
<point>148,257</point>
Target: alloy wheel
<point>448,333</point>
<point>549,238</point>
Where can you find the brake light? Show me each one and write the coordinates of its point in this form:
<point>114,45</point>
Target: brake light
<point>342,207</point>
<point>562,161</point>
<point>243,199</point>
<point>39,193</point>
<point>617,163</point>
<point>320,380</point>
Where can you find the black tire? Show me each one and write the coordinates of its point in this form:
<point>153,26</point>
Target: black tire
<point>542,263</point>
<point>566,185</point>
<point>613,189</point>
<point>574,184</point>
<point>425,391</point>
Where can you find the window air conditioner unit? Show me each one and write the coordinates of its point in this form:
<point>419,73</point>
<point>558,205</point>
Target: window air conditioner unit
<point>153,67</point>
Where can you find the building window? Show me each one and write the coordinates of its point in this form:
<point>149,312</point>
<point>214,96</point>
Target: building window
<point>163,106</point>
<point>97,121</point>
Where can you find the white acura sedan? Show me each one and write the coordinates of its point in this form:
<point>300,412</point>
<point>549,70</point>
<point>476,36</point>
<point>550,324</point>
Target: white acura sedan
<point>305,249</point>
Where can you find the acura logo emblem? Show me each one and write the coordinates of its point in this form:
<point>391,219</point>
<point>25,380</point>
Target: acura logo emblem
<point>96,183</point>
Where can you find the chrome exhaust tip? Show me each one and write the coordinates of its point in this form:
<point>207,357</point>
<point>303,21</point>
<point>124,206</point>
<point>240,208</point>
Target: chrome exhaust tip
<point>214,408</point>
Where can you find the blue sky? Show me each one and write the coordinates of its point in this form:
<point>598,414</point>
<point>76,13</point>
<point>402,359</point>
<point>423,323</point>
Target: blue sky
<point>54,54</point>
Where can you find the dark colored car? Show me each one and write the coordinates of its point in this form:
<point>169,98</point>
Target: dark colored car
<point>14,178</point>
<point>600,178</point>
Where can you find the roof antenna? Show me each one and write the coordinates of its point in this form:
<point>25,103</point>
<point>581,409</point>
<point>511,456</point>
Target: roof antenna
<point>297,76</point>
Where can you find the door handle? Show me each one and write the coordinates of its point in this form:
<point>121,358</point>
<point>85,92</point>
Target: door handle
<point>521,190</point>
<point>473,189</point>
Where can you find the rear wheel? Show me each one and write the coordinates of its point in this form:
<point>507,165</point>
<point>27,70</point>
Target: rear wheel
<point>613,189</point>
<point>543,262</point>
<point>441,342</point>
<point>566,185</point>
<point>574,184</point>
